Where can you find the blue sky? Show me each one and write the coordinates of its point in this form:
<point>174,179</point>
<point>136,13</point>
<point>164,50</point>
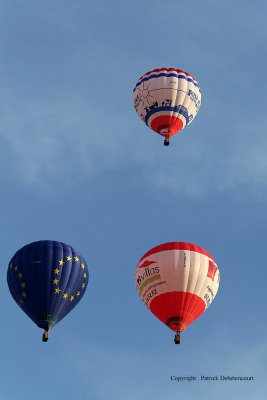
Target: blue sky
<point>77,165</point>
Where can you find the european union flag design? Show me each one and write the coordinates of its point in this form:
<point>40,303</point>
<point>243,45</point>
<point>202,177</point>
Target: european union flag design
<point>47,279</point>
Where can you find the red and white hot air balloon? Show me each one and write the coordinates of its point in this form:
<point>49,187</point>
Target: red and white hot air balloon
<point>167,100</point>
<point>177,282</point>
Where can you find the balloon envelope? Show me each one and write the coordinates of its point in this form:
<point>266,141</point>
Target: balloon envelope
<point>167,100</point>
<point>177,281</point>
<point>47,279</point>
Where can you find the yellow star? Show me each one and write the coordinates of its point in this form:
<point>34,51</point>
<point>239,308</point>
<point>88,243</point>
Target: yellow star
<point>65,295</point>
<point>55,281</point>
<point>83,285</point>
<point>84,275</point>
<point>56,271</point>
<point>16,268</point>
<point>20,275</point>
<point>78,294</point>
<point>83,266</point>
<point>68,258</point>
<point>76,258</point>
<point>57,290</point>
<point>23,285</point>
<point>24,294</point>
<point>21,301</point>
<point>10,265</point>
<point>72,298</point>
<point>61,262</point>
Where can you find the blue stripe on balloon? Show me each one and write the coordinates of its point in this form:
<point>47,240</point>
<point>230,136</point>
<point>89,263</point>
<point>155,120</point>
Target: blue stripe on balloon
<point>178,110</point>
<point>167,75</point>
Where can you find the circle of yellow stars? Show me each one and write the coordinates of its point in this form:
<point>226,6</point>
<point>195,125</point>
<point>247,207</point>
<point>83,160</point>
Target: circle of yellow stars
<point>55,280</point>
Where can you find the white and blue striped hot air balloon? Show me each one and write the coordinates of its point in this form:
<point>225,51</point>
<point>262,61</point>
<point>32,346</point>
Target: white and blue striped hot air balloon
<point>167,100</point>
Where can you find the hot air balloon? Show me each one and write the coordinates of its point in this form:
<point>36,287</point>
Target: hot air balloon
<point>47,279</point>
<point>177,282</point>
<point>167,100</point>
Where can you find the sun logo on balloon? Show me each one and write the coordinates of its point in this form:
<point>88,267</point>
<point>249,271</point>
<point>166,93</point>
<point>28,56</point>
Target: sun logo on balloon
<point>143,94</point>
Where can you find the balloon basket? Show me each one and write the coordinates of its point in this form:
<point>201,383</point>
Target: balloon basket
<point>166,142</point>
<point>177,338</point>
<point>45,336</point>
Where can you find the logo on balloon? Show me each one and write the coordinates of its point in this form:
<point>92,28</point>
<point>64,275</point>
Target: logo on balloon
<point>149,274</point>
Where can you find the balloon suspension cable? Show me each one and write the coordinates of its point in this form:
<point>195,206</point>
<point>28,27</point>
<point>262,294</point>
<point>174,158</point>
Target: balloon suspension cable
<point>177,338</point>
<point>45,336</point>
<point>166,141</point>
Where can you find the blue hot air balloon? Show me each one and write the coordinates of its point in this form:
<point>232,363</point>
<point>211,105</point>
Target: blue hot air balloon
<point>47,279</point>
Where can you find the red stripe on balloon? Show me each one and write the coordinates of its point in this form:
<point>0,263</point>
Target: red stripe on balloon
<point>173,124</point>
<point>177,246</point>
<point>177,310</point>
<point>166,69</point>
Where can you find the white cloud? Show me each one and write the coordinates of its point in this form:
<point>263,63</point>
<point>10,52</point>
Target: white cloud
<point>46,144</point>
